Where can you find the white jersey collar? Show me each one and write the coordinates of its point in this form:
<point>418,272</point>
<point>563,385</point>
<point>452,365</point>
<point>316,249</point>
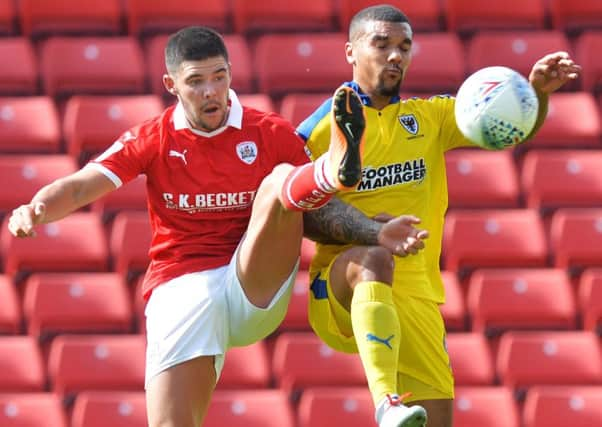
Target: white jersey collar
<point>234,117</point>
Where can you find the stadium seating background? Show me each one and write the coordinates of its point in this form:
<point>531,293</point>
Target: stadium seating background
<point>522,256</point>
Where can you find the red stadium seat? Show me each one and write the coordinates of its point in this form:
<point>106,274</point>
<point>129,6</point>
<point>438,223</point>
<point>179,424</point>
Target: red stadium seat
<point>10,307</point>
<point>31,410</point>
<point>129,242</point>
<point>42,18</point>
<point>130,196</point>
<point>590,298</point>
<point>246,367</point>
<point>482,179</point>
<point>576,238</point>
<point>296,107</point>
<point>570,15</point>
<point>259,101</point>
<point>19,76</point>
<point>158,16</point>
<point>454,310</point>
<point>554,406</point>
<point>92,123</point>
<point>74,243</point>
<point>586,49</point>
<point>471,359</point>
<point>494,238</point>
<point>27,174</point>
<point>296,314</point>
<point>526,359</point>
<point>562,178</point>
<point>239,56</point>
<point>249,408</point>
<point>562,130</point>
<point>471,15</point>
<point>7,17</point>
<point>521,299</point>
<point>109,408</point>
<point>96,362</point>
<point>426,73</point>
<point>485,406</point>
<point>301,360</point>
<point>517,50</point>
<point>21,364</point>
<point>92,65</point>
<point>17,135</point>
<point>301,62</point>
<point>425,15</point>
<point>275,15</point>
<point>349,406</point>
<point>76,303</point>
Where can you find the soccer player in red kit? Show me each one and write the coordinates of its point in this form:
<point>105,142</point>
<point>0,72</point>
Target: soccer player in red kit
<point>227,186</point>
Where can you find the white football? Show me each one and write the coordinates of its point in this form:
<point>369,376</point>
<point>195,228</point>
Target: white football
<point>496,107</point>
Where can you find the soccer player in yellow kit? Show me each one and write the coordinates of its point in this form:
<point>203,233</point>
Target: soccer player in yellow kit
<point>363,297</point>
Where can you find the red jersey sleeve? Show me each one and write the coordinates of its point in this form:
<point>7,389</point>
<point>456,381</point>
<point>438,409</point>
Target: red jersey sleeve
<point>129,155</point>
<point>287,145</point>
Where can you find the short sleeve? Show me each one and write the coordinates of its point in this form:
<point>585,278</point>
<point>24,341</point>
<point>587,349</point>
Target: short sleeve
<point>125,159</point>
<point>289,147</point>
<point>450,136</point>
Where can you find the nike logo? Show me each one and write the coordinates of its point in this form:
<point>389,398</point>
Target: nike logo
<point>182,155</point>
<point>385,341</point>
<point>348,127</point>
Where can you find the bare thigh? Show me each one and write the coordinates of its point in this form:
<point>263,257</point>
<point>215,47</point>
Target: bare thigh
<point>439,411</point>
<point>272,245</point>
<point>180,395</point>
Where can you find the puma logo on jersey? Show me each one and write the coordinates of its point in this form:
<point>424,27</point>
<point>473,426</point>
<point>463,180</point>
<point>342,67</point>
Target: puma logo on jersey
<point>182,155</point>
<point>385,341</point>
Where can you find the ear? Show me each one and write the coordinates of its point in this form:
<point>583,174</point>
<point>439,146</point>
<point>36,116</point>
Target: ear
<point>169,84</point>
<point>349,53</point>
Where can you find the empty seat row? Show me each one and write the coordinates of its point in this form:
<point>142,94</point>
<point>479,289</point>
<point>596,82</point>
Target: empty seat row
<point>491,406</point>
<point>90,124</point>
<point>517,238</point>
<point>472,239</point>
<point>78,363</point>
<point>280,63</point>
<point>37,17</point>
<point>497,300</point>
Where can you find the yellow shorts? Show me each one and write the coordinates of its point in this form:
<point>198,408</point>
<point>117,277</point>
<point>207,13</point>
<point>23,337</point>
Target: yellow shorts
<point>424,366</point>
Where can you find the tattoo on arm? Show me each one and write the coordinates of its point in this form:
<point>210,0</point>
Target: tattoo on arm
<point>340,223</point>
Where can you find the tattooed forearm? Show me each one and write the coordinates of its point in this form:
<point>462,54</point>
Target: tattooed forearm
<point>338,222</point>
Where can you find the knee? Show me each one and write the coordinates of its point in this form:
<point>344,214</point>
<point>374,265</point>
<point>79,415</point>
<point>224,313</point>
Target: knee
<point>377,264</point>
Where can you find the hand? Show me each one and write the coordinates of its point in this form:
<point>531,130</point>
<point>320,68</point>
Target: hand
<point>24,218</point>
<point>553,71</point>
<point>399,235</point>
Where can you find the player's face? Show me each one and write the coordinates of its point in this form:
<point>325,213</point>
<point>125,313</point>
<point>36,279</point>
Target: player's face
<point>202,88</point>
<point>380,56</point>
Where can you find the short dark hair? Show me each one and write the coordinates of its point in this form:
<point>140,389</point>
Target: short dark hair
<point>193,44</point>
<point>381,12</point>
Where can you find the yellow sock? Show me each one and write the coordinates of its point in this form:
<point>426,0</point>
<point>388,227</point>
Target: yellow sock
<point>377,333</point>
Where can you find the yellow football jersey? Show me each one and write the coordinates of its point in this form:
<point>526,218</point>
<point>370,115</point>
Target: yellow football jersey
<point>403,173</point>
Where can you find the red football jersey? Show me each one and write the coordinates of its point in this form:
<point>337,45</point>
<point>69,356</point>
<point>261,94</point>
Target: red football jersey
<point>200,185</point>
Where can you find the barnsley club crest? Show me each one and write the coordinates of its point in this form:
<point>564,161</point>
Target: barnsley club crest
<point>247,151</point>
<point>409,122</point>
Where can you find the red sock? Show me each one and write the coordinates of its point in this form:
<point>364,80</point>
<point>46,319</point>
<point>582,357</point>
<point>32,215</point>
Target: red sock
<point>305,187</point>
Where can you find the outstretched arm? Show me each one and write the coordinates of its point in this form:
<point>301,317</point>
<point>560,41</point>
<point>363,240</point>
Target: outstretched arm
<point>549,74</point>
<point>341,223</point>
<point>58,199</point>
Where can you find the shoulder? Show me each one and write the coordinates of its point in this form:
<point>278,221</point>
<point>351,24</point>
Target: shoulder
<point>264,120</point>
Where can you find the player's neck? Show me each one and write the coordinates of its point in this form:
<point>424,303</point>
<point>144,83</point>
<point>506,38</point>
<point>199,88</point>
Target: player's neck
<point>379,102</point>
